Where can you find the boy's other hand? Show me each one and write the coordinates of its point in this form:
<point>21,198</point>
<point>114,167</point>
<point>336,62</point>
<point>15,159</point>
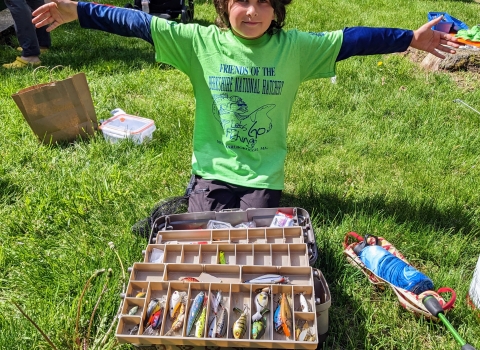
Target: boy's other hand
<point>55,13</point>
<point>426,39</point>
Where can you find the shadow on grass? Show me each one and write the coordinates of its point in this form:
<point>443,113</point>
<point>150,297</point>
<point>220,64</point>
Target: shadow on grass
<point>8,191</point>
<point>345,314</point>
<point>333,209</point>
<point>112,56</point>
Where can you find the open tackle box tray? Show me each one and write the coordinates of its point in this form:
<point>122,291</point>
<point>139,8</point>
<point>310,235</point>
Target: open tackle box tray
<point>197,260</point>
<point>261,217</point>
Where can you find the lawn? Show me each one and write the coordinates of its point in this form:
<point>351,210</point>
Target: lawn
<point>382,151</point>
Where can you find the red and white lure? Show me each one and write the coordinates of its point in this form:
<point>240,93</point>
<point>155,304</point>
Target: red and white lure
<point>188,279</point>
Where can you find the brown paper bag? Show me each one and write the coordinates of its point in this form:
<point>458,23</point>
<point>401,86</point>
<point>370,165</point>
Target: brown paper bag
<point>60,110</point>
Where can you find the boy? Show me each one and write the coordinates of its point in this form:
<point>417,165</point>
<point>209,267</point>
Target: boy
<point>245,79</point>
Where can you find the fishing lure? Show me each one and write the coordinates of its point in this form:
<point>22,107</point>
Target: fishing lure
<point>302,335</point>
<point>179,320</point>
<point>266,290</point>
<point>134,330</point>
<point>310,336</point>
<point>240,325</point>
<point>200,324</point>
<point>212,326</point>
<point>286,315</point>
<point>140,295</point>
<point>261,302</point>
<point>133,310</point>
<point>258,328</point>
<point>277,321</point>
<point>216,301</point>
<point>195,310</point>
<point>297,331</point>
<point>306,334</point>
<point>288,308</point>
<point>221,257</point>
<point>269,278</point>
<point>188,279</point>
<point>221,326</point>
<point>154,323</point>
<point>156,319</point>
<point>149,331</point>
<point>154,306</point>
<point>175,301</point>
<point>303,303</point>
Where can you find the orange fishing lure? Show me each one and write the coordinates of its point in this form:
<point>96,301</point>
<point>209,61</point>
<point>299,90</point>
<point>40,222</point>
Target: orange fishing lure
<point>285,315</point>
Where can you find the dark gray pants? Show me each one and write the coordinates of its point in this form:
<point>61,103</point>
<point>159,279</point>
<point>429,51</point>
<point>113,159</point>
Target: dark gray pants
<point>214,195</point>
<point>29,37</point>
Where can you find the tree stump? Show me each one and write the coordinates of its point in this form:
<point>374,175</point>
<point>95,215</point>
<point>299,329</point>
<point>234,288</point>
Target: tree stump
<point>467,58</point>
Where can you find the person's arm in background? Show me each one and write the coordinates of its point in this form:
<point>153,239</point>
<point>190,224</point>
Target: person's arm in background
<point>116,20</point>
<point>358,41</point>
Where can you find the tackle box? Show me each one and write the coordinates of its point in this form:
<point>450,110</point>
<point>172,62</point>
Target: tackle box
<point>222,259</point>
<point>448,24</point>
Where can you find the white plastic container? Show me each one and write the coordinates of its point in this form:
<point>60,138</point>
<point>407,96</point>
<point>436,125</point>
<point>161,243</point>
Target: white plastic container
<point>474,291</point>
<point>122,126</point>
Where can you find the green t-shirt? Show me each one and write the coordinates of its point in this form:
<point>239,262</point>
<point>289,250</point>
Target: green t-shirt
<point>244,92</point>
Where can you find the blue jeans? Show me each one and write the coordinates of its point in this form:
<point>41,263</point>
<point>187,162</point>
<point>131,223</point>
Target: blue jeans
<point>29,37</point>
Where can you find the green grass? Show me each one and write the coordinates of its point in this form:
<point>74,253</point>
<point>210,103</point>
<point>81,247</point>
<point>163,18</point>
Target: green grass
<point>383,151</point>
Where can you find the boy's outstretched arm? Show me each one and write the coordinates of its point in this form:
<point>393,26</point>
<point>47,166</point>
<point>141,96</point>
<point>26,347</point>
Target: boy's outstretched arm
<point>358,41</point>
<point>116,20</point>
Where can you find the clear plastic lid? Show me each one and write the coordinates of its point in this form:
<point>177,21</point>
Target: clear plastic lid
<point>127,123</point>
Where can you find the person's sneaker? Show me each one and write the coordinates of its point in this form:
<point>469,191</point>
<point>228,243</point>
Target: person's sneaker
<point>42,49</point>
<point>21,63</point>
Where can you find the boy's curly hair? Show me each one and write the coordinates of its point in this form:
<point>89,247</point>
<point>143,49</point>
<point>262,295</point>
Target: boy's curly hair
<point>221,6</point>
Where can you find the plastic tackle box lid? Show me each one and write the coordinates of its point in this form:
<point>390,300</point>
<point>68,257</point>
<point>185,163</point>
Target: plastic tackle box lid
<point>448,22</point>
<point>126,123</point>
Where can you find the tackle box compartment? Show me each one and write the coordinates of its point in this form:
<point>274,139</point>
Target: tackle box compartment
<point>222,259</point>
<point>262,218</point>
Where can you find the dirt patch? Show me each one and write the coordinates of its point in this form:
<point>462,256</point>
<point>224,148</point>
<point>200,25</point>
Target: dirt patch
<point>414,55</point>
<point>459,65</point>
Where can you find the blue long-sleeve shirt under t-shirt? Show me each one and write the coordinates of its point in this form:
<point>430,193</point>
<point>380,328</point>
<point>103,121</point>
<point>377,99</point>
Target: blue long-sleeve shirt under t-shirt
<point>357,41</point>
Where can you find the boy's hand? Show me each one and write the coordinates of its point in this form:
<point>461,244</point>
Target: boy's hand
<point>55,13</point>
<point>426,39</point>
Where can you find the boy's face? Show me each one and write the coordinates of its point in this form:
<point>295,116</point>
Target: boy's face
<point>250,19</point>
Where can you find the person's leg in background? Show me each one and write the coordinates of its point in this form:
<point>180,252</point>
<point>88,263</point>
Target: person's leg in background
<point>212,195</point>
<point>30,38</point>
<point>260,198</point>
<point>44,39</point>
